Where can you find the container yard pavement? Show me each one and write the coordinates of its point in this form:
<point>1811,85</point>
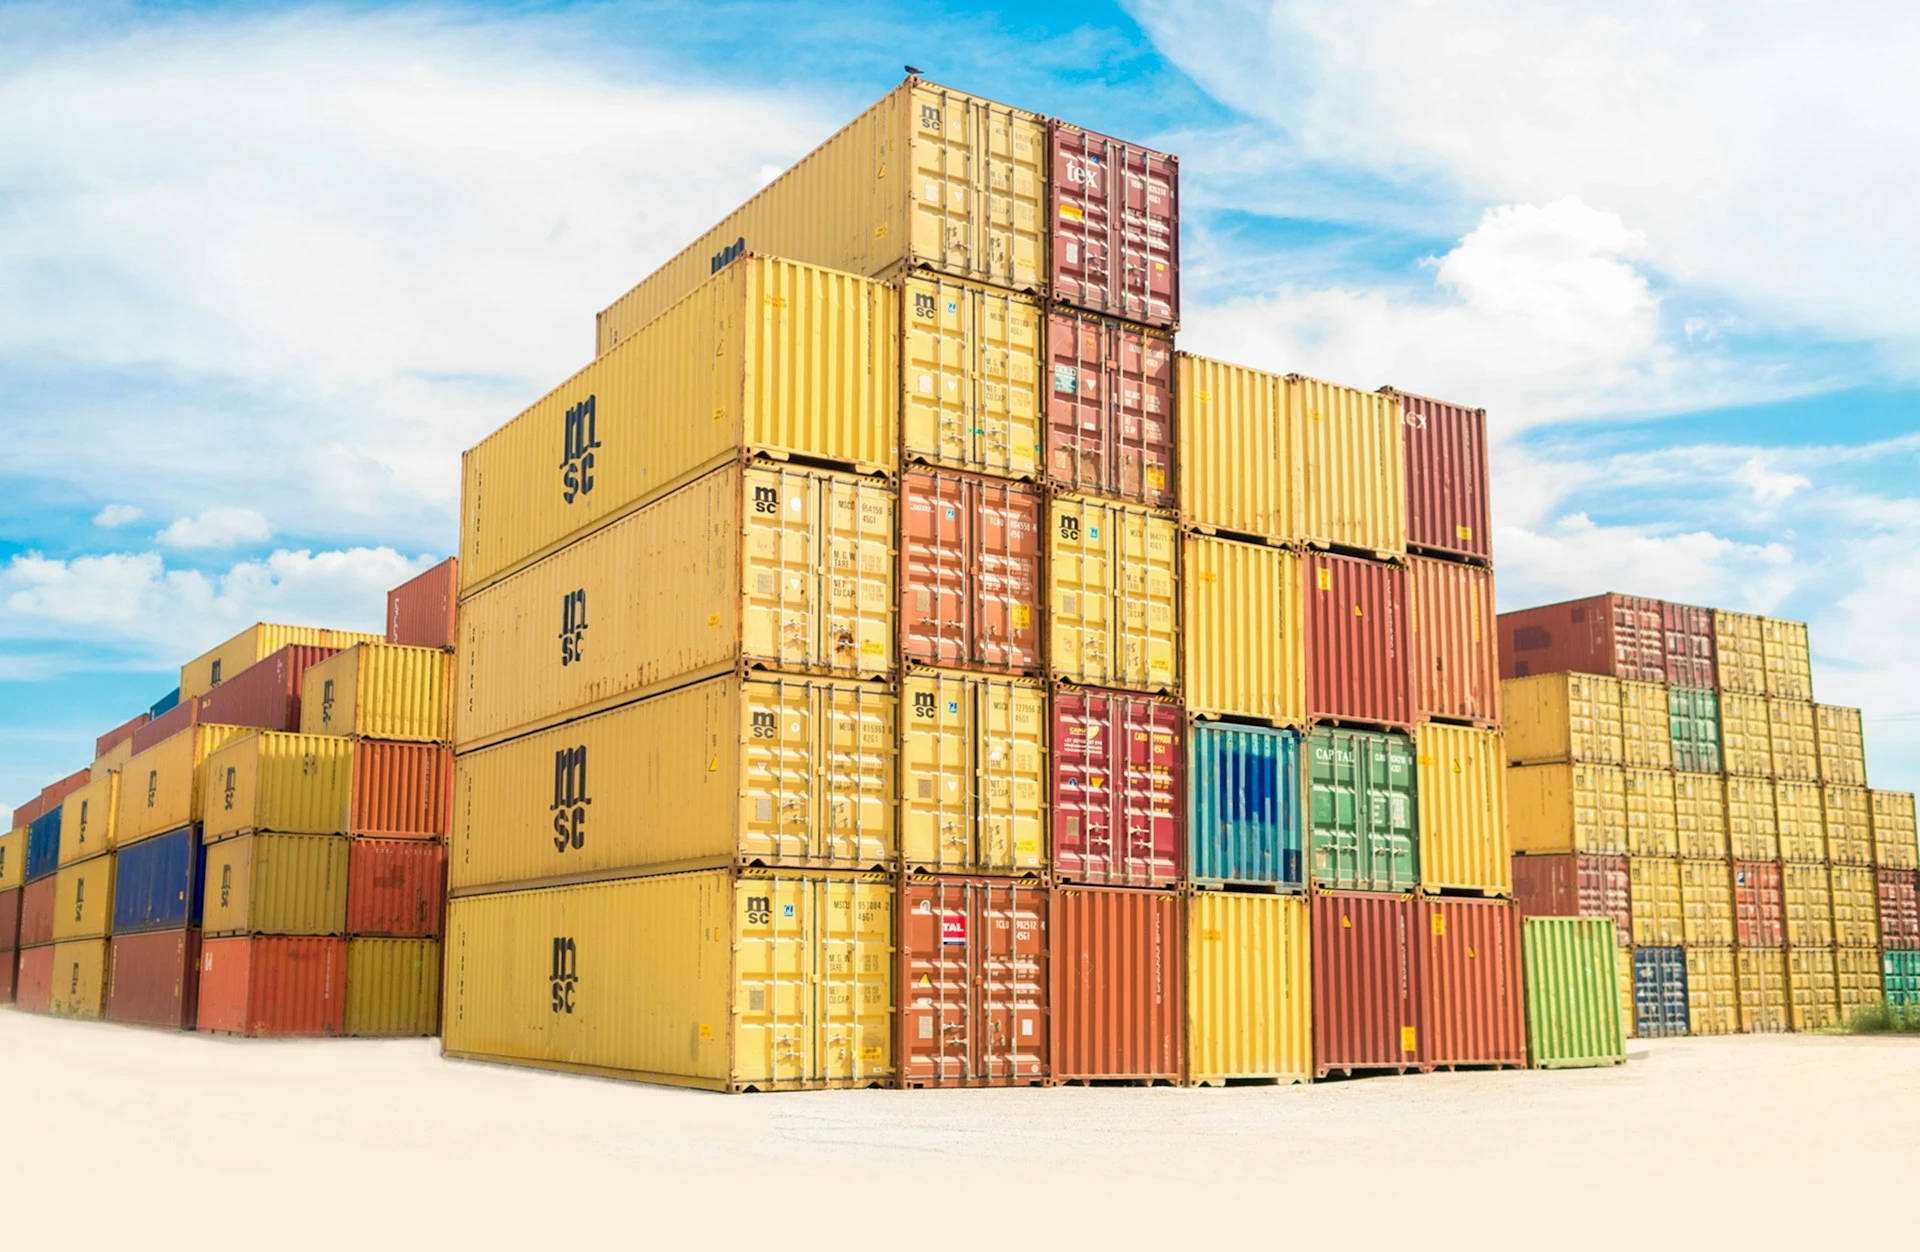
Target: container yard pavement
<point>375,1144</point>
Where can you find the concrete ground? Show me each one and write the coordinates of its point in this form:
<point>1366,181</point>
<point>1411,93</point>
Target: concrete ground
<point>111,1136</point>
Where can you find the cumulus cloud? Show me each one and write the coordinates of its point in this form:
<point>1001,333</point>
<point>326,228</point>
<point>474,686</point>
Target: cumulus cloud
<point>218,527</point>
<point>117,515</point>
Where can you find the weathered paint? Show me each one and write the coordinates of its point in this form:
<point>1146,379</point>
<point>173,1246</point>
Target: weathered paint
<point>1118,981</point>
<point>1813,991</point>
<point>294,784</point>
<point>1118,767</point>
<point>1568,808</point>
<point>1462,803</point>
<point>1646,727</point>
<point>970,586</point>
<point>1354,613</point>
<point>973,773</point>
<point>1759,909</point>
<point>1369,983</point>
<point>970,359</point>
<point>1362,810</point>
<point>1114,209</point>
<point>1113,594</point>
<point>1448,497</point>
<point>1110,410</point>
<point>1554,718</point>
<point>1573,1006</point>
<point>1652,824</point>
<point>273,985</point>
<point>1244,821</point>
<point>393,988</point>
<point>972,977</point>
<point>1808,897</point>
<point>1249,988</point>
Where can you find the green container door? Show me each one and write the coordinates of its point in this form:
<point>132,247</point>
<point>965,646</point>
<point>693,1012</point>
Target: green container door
<point>1573,992</point>
<point>1695,715</point>
<point>1362,807</point>
<point>1902,971</point>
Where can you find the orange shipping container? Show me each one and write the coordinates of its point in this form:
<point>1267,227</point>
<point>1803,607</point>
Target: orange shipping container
<point>1118,977</point>
<point>400,790</point>
<point>972,982</point>
<point>1456,673</point>
<point>273,985</point>
<point>970,594</point>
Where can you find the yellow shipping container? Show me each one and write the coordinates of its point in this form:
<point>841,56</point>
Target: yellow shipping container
<point>1240,457</point>
<point>1812,990</point>
<point>162,788</point>
<point>759,566</point>
<point>1856,905</point>
<point>1249,988</point>
<point>1652,823</point>
<point>380,691</point>
<point>1629,1009</point>
<point>1763,989</point>
<point>1791,741</point>
<point>13,858</point>
<point>79,978</point>
<point>256,643</point>
<point>1713,992</point>
<point>87,818</point>
<point>1706,901</point>
<point>734,981</point>
<point>1700,812</point>
<point>393,987</point>
<point>1245,641</point>
<point>1753,833</point>
<point>1837,736</point>
<point>1847,815</point>
<point>1659,911</point>
<point>116,758</point>
<point>1808,895</point>
<point>1857,975</point>
<point>1746,737</point>
<point>927,178</point>
<point>1739,663</point>
<point>1354,489</point>
<point>83,899</point>
<point>1646,734</point>
<point>1567,808</point>
<point>1894,844</point>
<point>973,773</point>
<point>1789,664</point>
<point>1113,571</point>
<point>294,784</point>
<point>1801,821</point>
<point>971,377</point>
<point>273,884</point>
<point>1562,717</point>
<point>1463,810</point>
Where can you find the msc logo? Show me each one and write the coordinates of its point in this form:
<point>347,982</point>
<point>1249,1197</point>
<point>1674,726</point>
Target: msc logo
<point>766,500</point>
<point>570,799</point>
<point>226,886</point>
<point>79,899</point>
<point>83,820</point>
<point>763,726</point>
<point>929,117</point>
<point>214,679</point>
<point>326,702</point>
<point>564,977</point>
<point>153,785</point>
<point>580,437</point>
<point>727,255</point>
<point>231,771</point>
<point>923,704</point>
<point>573,626</point>
<point>759,910</point>
<point>923,305</point>
<point>1070,527</point>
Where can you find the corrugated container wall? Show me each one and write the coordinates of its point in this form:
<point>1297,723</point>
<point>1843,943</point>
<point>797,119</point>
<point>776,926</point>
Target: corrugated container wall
<point>265,694</point>
<point>1783,645</point>
<point>1574,885</point>
<point>1118,765</point>
<point>1899,908</point>
<point>1448,498</point>
<point>118,735</point>
<point>421,611</point>
<point>380,691</point>
<point>1573,1005</point>
<point>274,781</point>
<point>1646,727</point>
<point>1476,1012</point>
<point>1694,726</point>
<point>163,788</point>
<point>1619,636</point>
<point>400,790</point>
<point>1562,717</point>
<point>33,985</point>
<point>1813,993</point>
<point>973,773</point>
<point>1243,806</point>
<point>1901,974</point>
<point>1450,641</point>
<point>1568,808</point>
<point>1759,909</point>
<point>273,986</point>
<point>393,988</point>
<point>168,724</point>
<point>13,858</point>
<point>254,644</point>
<point>153,979</point>
<point>1849,825</point>
<point>157,883</point>
<point>1808,895</point>
<point>1746,740</point>
<point>1355,490</point>
<point>1114,597</point>
<point>1355,615</point>
<point>1856,906</point>
<point>1893,830</point>
<point>970,586</point>
<point>1110,411</point>
<point>1713,992</point>
<point>396,888</point>
<point>1652,825</point>
<point>1700,814</point>
<point>1362,815</point>
<point>1857,971</point>
<point>10,920</point>
<point>1660,992</point>
<point>88,819</point>
<point>1801,819</point>
<point>1249,988</point>
<point>972,979</point>
<point>1118,976</point>
<point>1115,214</point>
<point>1790,728</point>
<point>1706,901</point>
<point>1369,984</point>
<point>37,911</point>
<point>79,978</point>
<point>1689,645</point>
<point>970,360</point>
<point>1763,990</point>
<point>43,844</point>
<point>1462,805</point>
<point>54,794</point>
<point>1245,637</point>
<point>1739,663</point>
<point>1836,733</point>
<point>277,885</point>
<point>83,900</point>
<point>1659,911</point>
<point>1240,451</point>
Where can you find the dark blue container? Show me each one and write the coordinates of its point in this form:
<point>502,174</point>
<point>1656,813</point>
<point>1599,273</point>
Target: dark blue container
<point>157,883</point>
<point>43,844</point>
<point>1660,992</point>
<point>1243,806</point>
<point>164,704</point>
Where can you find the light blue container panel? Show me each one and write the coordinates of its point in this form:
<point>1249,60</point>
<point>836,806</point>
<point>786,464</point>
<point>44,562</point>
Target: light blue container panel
<point>1243,806</point>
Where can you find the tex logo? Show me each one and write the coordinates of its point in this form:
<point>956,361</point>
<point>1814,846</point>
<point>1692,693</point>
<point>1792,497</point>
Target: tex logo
<point>1085,172</point>
<point>570,799</point>
<point>573,626</point>
<point>579,438</point>
<point>564,977</point>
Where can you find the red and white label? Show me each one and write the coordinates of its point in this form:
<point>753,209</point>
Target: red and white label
<point>953,928</point>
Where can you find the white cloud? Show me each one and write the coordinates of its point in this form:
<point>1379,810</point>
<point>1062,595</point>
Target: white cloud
<point>117,515</point>
<point>1770,486</point>
<point>219,527</point>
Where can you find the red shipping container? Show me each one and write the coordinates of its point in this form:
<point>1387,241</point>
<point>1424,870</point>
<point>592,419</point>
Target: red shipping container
<point>970,593</point>
<point>1576,885</point>
<point>1899,908</point>
<point>1369,984</point>
<point>1624,636</point>
<point>33,983</point>
<point>9,974</point>
<point>1356,655</point>
<point>972,979</point>
<point>1110,408</point>
<point>1759,905</point>
<point>1448,501</point>
<point>170,723</point>
<point>119,734</point>
<point>36,912</point>
<point>10,918</point>
<point>55,793</point>
<point>27,812</point>
<point>421,611</point>
<point>1118,969</point>
<point>1116,226</point>
<point>153,979</point>
<point>273,985</point>
<point>401,790</point>
<point>1688,644</point>
<point>1475,1007</point>
<point>1119,762</point>
<point>1450,637</point>
<point>396,888</point>
<point>265,694</point>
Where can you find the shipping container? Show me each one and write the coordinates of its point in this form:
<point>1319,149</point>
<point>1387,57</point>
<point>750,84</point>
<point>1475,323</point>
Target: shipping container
<point>164,704</point>
<point>1694,727</point>
<point>729,980</point>
<point>380,691</point>
<point>1450,642</point>
<point>254,644</point>
<point>79,981</point>
<point>1646,731</point>
<point>1462,804</point>
<point>1812,991</point>
<point>421,612</point>
<point>1475,1012</point>
<point>1689,645</point>
<point>1619,636</point>
<point>1573,997</point>
<point>273,884</point>
<point>1444,447</point>
<point>1115,213</point>
<point>393,988</point>
<point>1759,908</point>
<point>153,979</point>
<point>13,858</point>
<point>1363,817</point>
<point>83,900</point>
<point>1369,984</point>
<point>87,819</point>
<point>1783,645</point>
<point>163,788</point>
<point>1763,986</point>
<point>1753,830</point>
<point>1894,845</point>
<point>1117,798</point>
<point>43,845</point>
<point>400,790</point>
<point>1240,451</point>
<point>1249,988</point>
<point>1801,820</point>
<point>761,566</point>
<point>293,784</point>
<point>37,912</point>
<point>1857,976</point>
<point>1118,982</point>
<point>10,919</point>
<point>1652,822</point>
<point>1113,594</point>
<point>973,773</point>
<point>1244,821</point>
<point>33,984</point>
<point>1807,896</point>
<point>1713,992</point>
<point>926,179</point>
<point>1700,814</point>
<point>1837,738</point>
<point>1628,992</point>
<point>9,975</point>
<point>1901,974</point>
<point>1856,906</point>
<point>1746,736</point>
<point>267,693</point>
<point>1739,662</point>
<point>1355,623</point>
<point>55,794</point>
<point>1659,913</point>
<point>1791,742</point>
<point>1110,409</point>
<point>159,729</point>
<point>972,979</point>
<point>1660,992</point>
<point>1552,718</point>
<point>1899,894</point>
<point>24,814</point>
<point>396,888</point>
<point>1568,808</point>
<point>267,985</point>
<point>1245,636</point>
<point>1575,885</point>
<point>1706,902</point>
<point>970,369</point>
<point>767,770</point>
<point>970,586</point>
<point>157,883</point>
<point>1847,815</point>
<point>118,735</point>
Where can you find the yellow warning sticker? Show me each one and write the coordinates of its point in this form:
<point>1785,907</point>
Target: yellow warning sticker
<point>1208,577</point>
<point>1409,1039</point>
<point>1471,954</point>
<point>1073,212</point>
<point>1346,923</point>
<point>1463,532</point>
<point>1439,924</point>
<point>1022,616</point>
<point>1326,578</point>
<point>924,981</point>
<point>872,647</point>
<point>1424,759</point>
<point>706,1031</point>
<point>1358,611</point>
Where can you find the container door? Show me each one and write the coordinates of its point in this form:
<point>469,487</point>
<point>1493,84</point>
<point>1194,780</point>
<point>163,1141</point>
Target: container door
<point>1083,785</point>
<point>936,602</point>
<point>854,817</point>
<point>1003,575</point>
<point>1116,227</point>
<point>938,924</point>
<point>1081,569</point>
<point>1011,765</point>
<point>936,770</point>
<point>1139,366</point>
<point>972,377</point>
<point>1147,608</point>
<point>773,1012</point>
<point>1011,969</point>
<point>1150,755</point>
<point>852,975</point>
<point>977,188</point>
<point>1078,452</point>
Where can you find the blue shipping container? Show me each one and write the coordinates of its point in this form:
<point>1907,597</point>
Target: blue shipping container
<point>1660,991</point>
<point>1243,806</point>
<point>157,883</point>
<point>43,844</point>
<point>164,703</point>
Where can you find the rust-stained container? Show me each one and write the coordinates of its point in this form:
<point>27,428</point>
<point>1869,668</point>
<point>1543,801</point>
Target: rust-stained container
<point>1249,988</point>
<point>1110,410</point>
<point>1807,894</point>
<point>970,361</point>
<point>380,691</point>
<point>1739,664</point>
<point>1746,736</point>
<point>1245,639</point>
<point>1783,646</point>
<point>1759,910</point>
<point>265,694</point>
<point>273,884</point>
<point>972,979</point>
<point>1620,636</point>
<point>1857,972</point>
<point>119,735</point>
<point>1450,641</point>
<point>1576,885</point>
<point>164,787</point>
<point>1114,209</point>
<point>83,899</point>
<point>1462,794</point>
<point>1706,901</point>
<point>55,794</point>
<point>1847,815</point>
<point>1354,485</point>
<point>1646,728</point>
<point>33,984</point>
<point>1579,994</point>
<point>1813,992</point>
<point>254,644</point>
<point>1355,615</point>
<point>1369,983</point>
<point>273,985</point>
<point>970,587</point>
<point>1856,906</point>
<point>113,759</point>
<point>88,817</point>
<point>37,908</point>
<point>1113,594</point>
<point>1562,717</point>
<point>393,988</point>
<point>1837,737</point>
<point>24,814</point>
<point>1567,808</point>
<point>396,888</point>
<point>1448,500</point>
<point>1118,981</point>
<point>400,790</point>
<point>10,919</point>
<point>9,975</point>
<point>1659,914</point>
<point>1700,814</point>
<point>295,784</point>
<point>1892,816</point>
<point>79,978</point>
<point>154,979</point>
<point>421,611</point>
<point>755,566</point>
<point>1117,796</point>
<point>1801,819</point>
<point>1753,830</point>
<point>1652,825</point>
<point>1899,908</point>
<point>1240,452</point>
<point>1689,645</point>
<point>1713,992</point>
<point>1796,758</point>
<point>1763,990</point>
<point>973,773</point>
<point>1476,1003</point>
<point>168,724</point>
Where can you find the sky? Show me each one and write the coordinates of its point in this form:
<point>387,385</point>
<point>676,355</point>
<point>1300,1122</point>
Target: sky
<point>266,270</point>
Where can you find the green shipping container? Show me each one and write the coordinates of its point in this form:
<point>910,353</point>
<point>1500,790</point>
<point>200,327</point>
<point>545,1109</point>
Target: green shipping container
<point>1573,992</point>
<point>1363,810</point>
<point>1902,970</point>
<point>1695,716</point>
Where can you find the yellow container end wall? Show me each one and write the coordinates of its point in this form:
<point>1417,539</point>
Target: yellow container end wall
<point>257,643</point>
<point>1894,842</point>
<point>1463,810</point>
<point>1245,637</point>
<point>380,691</point>
<point>1812,989</point>
<point>1713,991</point>
<point>1700,813</point>
<point>1801,820</point>
<point>1753,831</point>
<point>1789,664</point>
<point>115,758</point>
<point>1790,740</point>
<point>1659,911</point>
<point>1706,898</point>
<point>13,858</point>
<point>973,773</point>
<point>1807,893</point>
<point>1240,455</point>
<point>1562,717</point>
<point>1746,738</point>
<point>1739,663</point>
<point>1847,816</point>
<point>1354,484</point>
<point>1842,748</point>
<point>283,782</point>
<point>1629,1014</point>
<point>712,979</point>
<point>83,899</point>
<point>1567,808</point>
<point>1857,975</point>
<point>79,978</point>
<point>1652,822</point>
<point>1114,593</point>
<point>1249,988</point>
<point>1763,990</point>
<point>161,788</point>
<point>1646,733</point>
<point>89,819</point>
<point>272,884</point>
<point>1855,893</point>
<point>393,987</point>
<point>971,374</point>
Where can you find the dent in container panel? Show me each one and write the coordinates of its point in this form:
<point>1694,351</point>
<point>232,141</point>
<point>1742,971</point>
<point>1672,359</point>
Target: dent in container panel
<point>1113,571</point>
<point>1575,885</point>
<point>273,985</point>
<point>1450,641</point>
<point>970,365</point>
<point>1243,817</point>
<point>1475,1010</point>
<point>421,611</point>
<point>1759,909</point>
<point>1445,450</point>
<point>1355,613</point>
<point>153,979</point>
<point>970,585</point>
<point>1620,636</point>
<point>1245,654</point>
<point>1369,984</point>
<point>1115,220</point>
<point>972,975</point>
<point>1739,663</point>
<point>973,773</point>
<point>1110,410</point>
<point>1116,797</point>
<point>1899,909</point>
<point>1249,988</point>
<point>1689,645</point>
<point>1118,980</point>
<point>1892,817</point>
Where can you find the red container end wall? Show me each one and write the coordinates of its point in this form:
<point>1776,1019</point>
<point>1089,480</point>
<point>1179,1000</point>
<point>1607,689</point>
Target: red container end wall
<point>1450,640</point>
<point>273,985</point>
<point>265,694</point>
<point>1355,613</point>
<point>1118,973</point>
<point>1110,408</point>
<point>33,984</point>
<point>1624,636</point>
<point>1369,985</point>
<point>401,790</point>
<point>10,918</point>
<point>1689,646</point>
<point>1475,1006</point>
<point>154,979</point>
<point>170,723</point>
<point>27,812</point>
<point>1448,508</point>
<point>421,611</point>
<point>1899,908</point>
<point>118,735</point>
<point>36,912</point>
<point>55,793</point>
<point>1576,885</point>
<point>396,888</point>
<point>1759,905</point>
<point>1119,763</point>
<point>970,592</point>
<point>1116,226</point>
<point>972,980</point>
<point>10,975</point>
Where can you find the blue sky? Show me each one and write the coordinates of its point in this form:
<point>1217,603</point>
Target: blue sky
<point>265,270</point>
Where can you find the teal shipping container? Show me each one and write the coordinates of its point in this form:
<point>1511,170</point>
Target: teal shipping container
<point>1243,806</point>
<point>1694,714</point>
<point>1902,970</point>
<point>1363,815</point>
<point>1573,992</point>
